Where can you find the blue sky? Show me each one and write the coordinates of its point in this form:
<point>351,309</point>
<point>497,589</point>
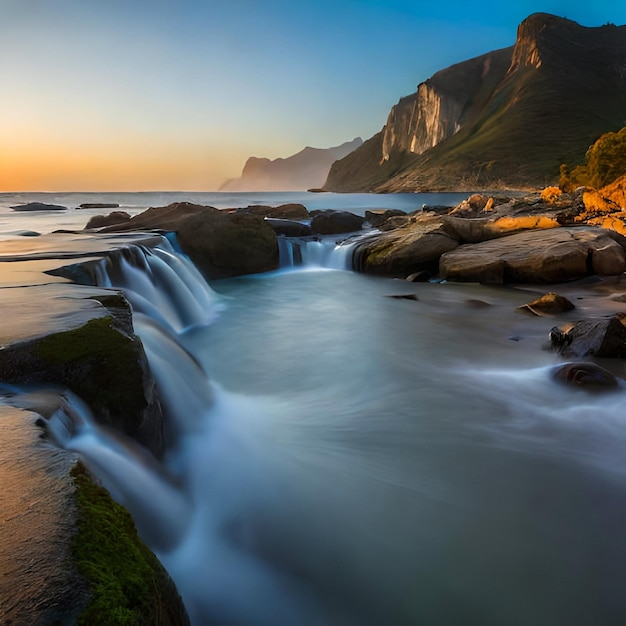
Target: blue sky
<point>164,94</point>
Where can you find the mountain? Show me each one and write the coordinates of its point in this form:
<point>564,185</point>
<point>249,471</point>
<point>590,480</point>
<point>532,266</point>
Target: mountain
<point>506,119</point>
<point>305,170</point>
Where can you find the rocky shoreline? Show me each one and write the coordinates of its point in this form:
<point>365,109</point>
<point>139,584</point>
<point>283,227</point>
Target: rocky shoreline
<point>81,338</point>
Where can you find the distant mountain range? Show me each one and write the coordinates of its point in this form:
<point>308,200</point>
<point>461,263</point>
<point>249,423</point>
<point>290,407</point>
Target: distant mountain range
<point>305,170</point>
<point>506,119</point>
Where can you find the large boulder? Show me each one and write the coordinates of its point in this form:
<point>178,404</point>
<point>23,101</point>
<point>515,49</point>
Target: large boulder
<point>377,217</point>
<point>404,251</point>
<point>223,245</point>
<point>332,222</point>
<point>100,360</point>
<point>544,256</point>
<point>289,228</point>
<point>220,243</point>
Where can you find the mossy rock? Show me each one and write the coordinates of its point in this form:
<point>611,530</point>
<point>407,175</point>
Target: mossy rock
<point>127,583</point>
<point>101,364</point>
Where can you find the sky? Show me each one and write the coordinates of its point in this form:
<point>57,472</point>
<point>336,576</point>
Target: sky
<point>139,95</point>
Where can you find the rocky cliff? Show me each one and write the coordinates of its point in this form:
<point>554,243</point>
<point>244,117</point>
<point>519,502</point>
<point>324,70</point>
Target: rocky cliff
<point>305,170</point>
<point>506,119</point>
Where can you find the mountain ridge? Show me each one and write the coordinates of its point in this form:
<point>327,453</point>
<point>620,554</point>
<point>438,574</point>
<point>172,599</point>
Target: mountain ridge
<point>506,119</point>
<point>301,171</point>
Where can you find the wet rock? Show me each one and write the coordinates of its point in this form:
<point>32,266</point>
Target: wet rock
<point>548,304</point>
<point>104,363</point>
<point>336,222</point>
<point>545,256</point>
<point>292,211</point>
<point>418,277</point>
<point>99,205</point>
<point>39,206</point>
<point>605,337</point>
<point>404,251</point>
<point>377,217</point>
<point>100,221</point>
<point>585,375</point>
<point>404,296</point>
<point>289,228</point>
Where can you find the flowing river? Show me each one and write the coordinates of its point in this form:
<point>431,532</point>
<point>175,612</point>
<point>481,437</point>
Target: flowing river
<point>345,456</point>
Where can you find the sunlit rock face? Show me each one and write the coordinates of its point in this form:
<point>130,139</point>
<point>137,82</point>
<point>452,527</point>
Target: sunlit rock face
<point>439,107</point>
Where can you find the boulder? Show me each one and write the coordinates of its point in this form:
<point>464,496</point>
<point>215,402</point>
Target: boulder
<point>223,245</point>
<point>39,206</point>
<point>289,228</point>
<point>292,211</point>
<point>605,337</point>
<point>545,256</point>
<point>101,361</point>
<point>585,375</point>
<point>377,217</point>
<point>220,243</point>
<point>413,248</point>
<point>100,221</point>
<point>332,222</point>
<point>548,304</point>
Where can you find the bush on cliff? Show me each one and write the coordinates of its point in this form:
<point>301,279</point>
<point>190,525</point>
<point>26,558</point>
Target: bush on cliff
<point>605,163</point>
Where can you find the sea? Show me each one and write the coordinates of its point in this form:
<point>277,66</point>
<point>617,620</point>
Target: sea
<point>351,450</point>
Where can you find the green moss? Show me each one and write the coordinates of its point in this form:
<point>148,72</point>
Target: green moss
<point>100,364</point>
<point>127,583</point>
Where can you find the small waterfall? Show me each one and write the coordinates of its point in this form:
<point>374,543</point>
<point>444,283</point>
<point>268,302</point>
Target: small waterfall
<point>160,283</point>
<point>316,252</point>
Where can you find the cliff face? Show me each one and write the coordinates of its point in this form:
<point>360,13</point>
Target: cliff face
<point>505,119</point>
<point>299,172</point>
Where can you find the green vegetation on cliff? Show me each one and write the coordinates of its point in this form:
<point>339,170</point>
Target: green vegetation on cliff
<point>128,585</point>
<point>605,162</point>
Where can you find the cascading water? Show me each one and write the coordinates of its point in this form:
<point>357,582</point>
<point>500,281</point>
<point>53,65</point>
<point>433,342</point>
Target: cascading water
<point>399,470</point>
<point>317,252</point>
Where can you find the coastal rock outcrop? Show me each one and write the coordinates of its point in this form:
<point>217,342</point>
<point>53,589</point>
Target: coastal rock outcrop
<point>543,256</point>
<point>220,243</point>
<point>416,246</point>
<point>100,221</point>
<point>39,206</point>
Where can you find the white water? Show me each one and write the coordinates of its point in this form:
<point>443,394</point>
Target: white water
<point>345,458</point>
<point>330,252</point>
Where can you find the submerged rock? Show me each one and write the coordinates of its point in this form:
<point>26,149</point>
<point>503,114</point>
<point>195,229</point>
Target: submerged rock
<point>585,375</point>
<point>99,205</point>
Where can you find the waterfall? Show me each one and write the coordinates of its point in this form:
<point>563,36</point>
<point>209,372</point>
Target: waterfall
<point>316,252</point>
<point>160,283</point>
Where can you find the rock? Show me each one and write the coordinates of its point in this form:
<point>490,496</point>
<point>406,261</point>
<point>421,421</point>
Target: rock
<point>548,304</point>
<point>545,256</point>
<point>289,228</point>
<point>291,211</point>
<point>101,361</point>
<point>376,217</point>
<point>226,245</point>
<point>585,375</point>
<point>99,205</point>
<point>332,222</point>
<point>604,337</point>
<point>100,221</point>
<point>221,244</point>
<point>418,277</point>
<point>404,296</point>
<point>39,206</point>
<point>404,251</point>
<point>474,205</point>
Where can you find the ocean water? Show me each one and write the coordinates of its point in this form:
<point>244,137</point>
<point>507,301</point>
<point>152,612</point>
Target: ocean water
<point>347,457</point>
